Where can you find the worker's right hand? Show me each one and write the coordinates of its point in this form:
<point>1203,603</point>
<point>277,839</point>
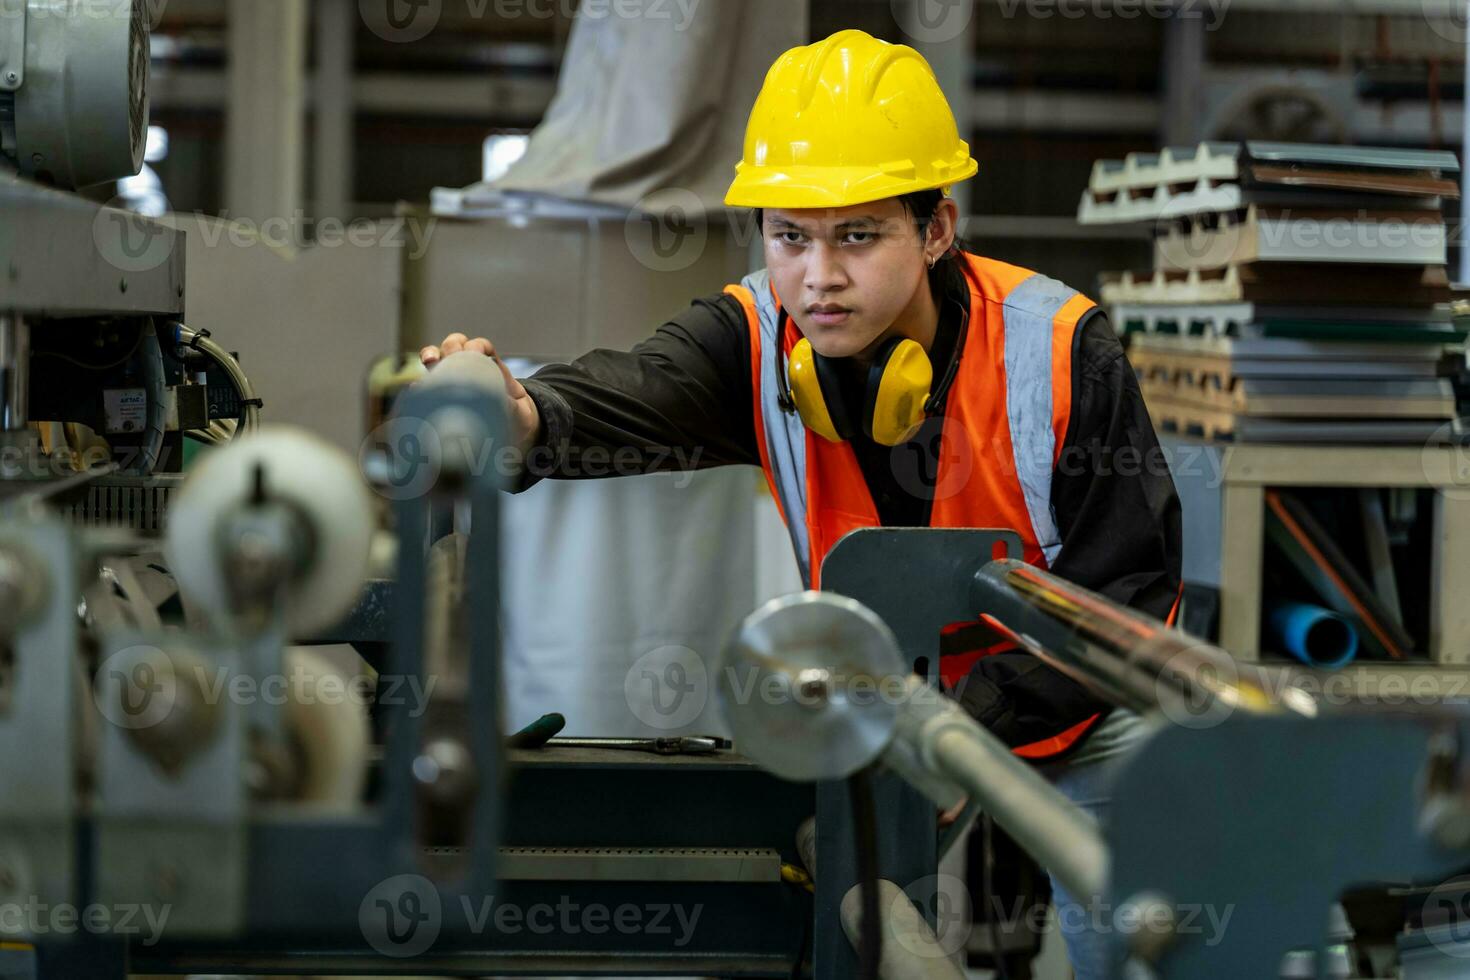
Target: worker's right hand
<point>525,419</point>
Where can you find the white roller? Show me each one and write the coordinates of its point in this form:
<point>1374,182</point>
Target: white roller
<point>320,480</point>
<point>328,719</point>
<point>911,951</point>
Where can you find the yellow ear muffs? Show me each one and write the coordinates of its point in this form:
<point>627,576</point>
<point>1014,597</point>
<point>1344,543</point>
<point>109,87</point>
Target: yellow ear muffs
<point>898,387</point>
<point>804,376</point>
<point>899,383</point>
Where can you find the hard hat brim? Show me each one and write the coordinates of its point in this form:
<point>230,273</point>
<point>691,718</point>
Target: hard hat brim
<point>828,187</point>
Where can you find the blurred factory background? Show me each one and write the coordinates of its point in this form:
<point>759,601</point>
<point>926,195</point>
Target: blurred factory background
<point>303,111</point>
<point>356,179</point>
<point>357,122</point>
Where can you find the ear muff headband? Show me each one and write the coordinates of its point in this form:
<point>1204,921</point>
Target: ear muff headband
<point>845,417</point>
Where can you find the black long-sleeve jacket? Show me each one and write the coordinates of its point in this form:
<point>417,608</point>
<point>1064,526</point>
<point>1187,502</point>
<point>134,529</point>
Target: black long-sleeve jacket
<point>683,399</point>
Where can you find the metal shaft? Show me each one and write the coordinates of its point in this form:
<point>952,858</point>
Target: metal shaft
<point>1064,838</point>
<point>15,372</point>
<point>1126,657</point>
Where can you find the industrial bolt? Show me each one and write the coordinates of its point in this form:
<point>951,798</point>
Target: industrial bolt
<point>1445,819</point>
<point>1444,816</point>
<point>255,553</point>
<point>12,77</point>
<point>445,771</point>
<point>266,544</point>
<point>813,686</point>
<point>1149,922</point>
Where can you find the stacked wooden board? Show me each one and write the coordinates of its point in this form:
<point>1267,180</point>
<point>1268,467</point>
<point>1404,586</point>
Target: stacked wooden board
<point>1298,293</point>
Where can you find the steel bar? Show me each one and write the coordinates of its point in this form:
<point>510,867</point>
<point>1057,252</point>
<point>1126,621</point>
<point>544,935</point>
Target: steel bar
<point>1126,657</point>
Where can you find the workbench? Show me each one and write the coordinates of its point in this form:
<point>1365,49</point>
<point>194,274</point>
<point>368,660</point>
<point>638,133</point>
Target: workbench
<point>1222,488</point>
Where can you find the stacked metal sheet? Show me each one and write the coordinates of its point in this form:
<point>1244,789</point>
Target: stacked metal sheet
<point>1298,293</point>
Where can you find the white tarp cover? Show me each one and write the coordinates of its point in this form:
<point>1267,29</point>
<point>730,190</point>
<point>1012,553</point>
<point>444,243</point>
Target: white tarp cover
<point>619,594</point>
<point>652,103</point>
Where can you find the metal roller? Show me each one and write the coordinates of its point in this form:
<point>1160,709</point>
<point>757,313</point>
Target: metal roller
<point>279,516</point>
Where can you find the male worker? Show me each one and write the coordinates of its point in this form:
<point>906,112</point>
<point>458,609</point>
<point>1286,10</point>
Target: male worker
<point>880,375</point>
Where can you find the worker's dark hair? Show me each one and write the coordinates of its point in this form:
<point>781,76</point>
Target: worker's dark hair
<point>922,205</point>
<point>946,274</point>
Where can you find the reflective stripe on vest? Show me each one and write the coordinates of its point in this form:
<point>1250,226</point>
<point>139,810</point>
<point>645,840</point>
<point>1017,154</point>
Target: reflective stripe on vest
<point>1029,313</point>
<point>781,433</point>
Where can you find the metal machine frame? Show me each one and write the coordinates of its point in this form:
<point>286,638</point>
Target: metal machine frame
<point>1287,831</point>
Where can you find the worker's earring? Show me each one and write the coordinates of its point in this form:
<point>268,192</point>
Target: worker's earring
<point>933,261</point>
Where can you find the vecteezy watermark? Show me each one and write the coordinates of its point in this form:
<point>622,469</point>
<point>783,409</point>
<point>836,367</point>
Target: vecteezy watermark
<point>401,917</point>
<point>130,242</point>
<point>1213,11</point>
<point>938,21</point>
<point>938,462</point>
<point>681,12</point>
<point>1194,462</point>
<point>936,465</point>
<point>401,21</point>
<point>411,455</point>
<point>1189,241</point>
<point>668,231</point>
<point>136,688</point>
<point>1445,461</point>
<point>404,916</point>
<point>1209,698</point>
<point>29,461</point>
<point>1192,689</point>
<point>406,21</point>
<point>1127,919</point>
<point>667,688</point>
<point>571,918</point>
<point>405,457</point>
<point>73,10</point>
<point>299,231</point>
<point>945,899</point>
<point>140,687</point>
<point>31,919</point>
<point>1450,19</point>
<point>1446,917</point>
<point>933,21</point>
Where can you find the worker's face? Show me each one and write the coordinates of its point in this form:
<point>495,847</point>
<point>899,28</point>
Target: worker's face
<point>847,276</point>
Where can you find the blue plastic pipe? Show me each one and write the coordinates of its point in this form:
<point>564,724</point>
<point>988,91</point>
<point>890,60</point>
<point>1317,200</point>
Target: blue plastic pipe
<point>1316,636</point>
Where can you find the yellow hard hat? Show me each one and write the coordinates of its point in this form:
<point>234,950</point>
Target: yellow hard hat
<point>848,120</point>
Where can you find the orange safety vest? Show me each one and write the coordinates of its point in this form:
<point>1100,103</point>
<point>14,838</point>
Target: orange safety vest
<point>1005,422</point>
